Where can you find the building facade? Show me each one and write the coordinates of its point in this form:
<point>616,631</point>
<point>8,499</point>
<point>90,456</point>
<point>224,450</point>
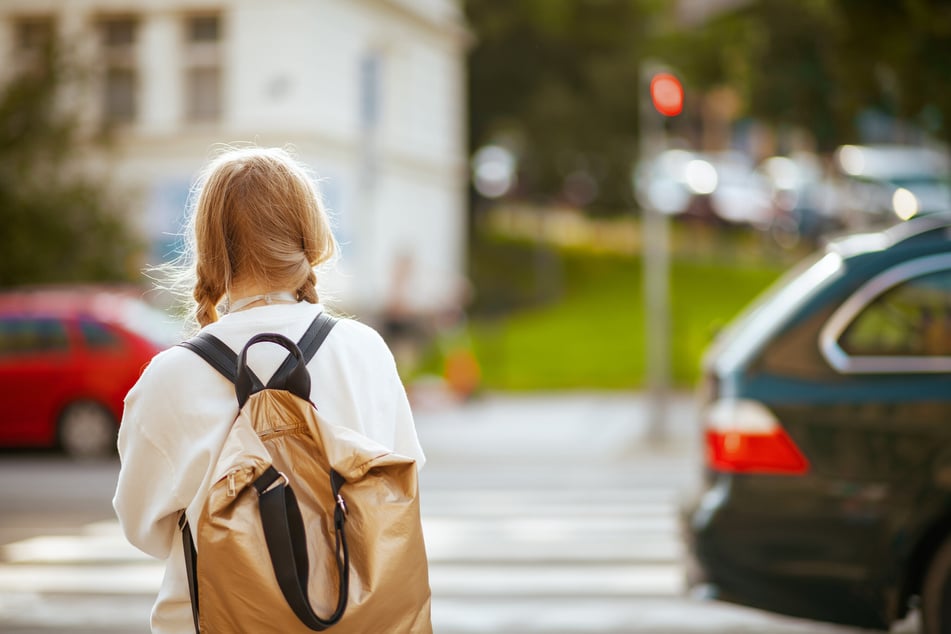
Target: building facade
<point>369,93</point>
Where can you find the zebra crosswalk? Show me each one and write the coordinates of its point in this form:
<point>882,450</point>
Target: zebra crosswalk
<point>550,557</point>
<point>497,557</point>
<point>541,558</point>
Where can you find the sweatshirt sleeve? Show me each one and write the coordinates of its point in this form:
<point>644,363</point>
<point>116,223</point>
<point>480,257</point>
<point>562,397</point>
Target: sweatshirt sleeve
<point>146,501</point>
<point>358,386</point>
<point>395,417</point>
<point>406,440</point>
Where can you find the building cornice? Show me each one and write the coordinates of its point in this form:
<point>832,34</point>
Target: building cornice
<point>203,143</point>
<point>451,23</point>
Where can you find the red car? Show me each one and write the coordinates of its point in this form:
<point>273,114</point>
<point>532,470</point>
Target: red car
<point>67,359</point>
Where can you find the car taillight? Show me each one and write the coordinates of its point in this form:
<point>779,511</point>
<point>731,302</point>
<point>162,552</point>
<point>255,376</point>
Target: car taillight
<point>743,436</point>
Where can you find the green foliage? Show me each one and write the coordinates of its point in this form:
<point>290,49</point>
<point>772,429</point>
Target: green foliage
<point>557,80</point>
<point>819,64</point>
<point>591,334</point>
<point>898,59</point>
<point>510,275</point>
<point>58,225</point>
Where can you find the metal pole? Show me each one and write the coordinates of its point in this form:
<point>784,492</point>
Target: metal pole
<point>656,271</point>
<point>655,227</point>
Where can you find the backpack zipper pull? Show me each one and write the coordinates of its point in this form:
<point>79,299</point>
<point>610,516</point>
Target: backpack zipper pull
<point>232,489</point>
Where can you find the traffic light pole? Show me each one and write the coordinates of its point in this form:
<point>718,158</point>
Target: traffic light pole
<point>655,250</point>
<point>655,237</point>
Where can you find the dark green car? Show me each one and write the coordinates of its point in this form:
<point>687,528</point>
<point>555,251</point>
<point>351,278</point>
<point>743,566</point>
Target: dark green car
<point>827,414</point>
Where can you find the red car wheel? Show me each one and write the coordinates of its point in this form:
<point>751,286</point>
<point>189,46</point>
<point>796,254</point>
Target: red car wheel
<point>87,430</point>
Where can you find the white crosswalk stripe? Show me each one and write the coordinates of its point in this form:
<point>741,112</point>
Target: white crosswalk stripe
<point>509,549</point>
<point>545,560</point>
<point>550,558</point>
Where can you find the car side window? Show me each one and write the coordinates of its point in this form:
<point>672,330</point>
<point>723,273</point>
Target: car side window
<point>98,336</point>
<point>21,336</point>
<point>912,319</point>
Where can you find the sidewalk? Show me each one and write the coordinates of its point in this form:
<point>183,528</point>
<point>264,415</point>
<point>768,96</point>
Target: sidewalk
<point>604,426</point>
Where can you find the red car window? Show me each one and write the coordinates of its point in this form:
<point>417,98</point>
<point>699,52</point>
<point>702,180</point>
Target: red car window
<point>23,335</point>
<point>98,336</point>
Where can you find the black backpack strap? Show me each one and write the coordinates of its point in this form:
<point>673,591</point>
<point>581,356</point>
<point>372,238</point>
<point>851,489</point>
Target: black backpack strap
<point>215,352</point>
<point>296,380</point>
<point>309,343</point>
<point>191,561</point>
<point>285,536</point>
<point>223,359</point>
<point>286,540</point>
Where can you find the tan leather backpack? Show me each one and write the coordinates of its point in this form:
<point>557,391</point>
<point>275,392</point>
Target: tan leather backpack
<point>308,526</point>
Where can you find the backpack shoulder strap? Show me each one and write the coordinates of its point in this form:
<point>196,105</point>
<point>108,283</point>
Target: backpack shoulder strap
<point>215,352</point>
<point>309,344</point>
<point>223,359</point>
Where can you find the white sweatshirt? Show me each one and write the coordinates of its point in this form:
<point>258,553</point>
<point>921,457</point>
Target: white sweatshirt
<point>177,416</point>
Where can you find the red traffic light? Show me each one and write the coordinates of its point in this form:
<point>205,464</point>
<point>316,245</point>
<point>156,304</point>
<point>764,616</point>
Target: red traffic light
<point>667,94</point>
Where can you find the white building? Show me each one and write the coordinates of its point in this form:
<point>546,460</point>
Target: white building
<point>371,93</point>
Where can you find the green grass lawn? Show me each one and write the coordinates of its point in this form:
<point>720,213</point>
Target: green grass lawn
<point>590,333</point>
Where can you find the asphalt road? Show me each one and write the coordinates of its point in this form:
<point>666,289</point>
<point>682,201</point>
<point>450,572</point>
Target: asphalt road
<point>549,515</point>
<point>45,493</point>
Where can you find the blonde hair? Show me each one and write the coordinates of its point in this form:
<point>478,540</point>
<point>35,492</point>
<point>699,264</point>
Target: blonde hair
<point>257,218</point>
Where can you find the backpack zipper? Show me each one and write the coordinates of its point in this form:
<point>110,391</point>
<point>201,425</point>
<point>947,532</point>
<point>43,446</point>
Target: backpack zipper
<point>232,489</point>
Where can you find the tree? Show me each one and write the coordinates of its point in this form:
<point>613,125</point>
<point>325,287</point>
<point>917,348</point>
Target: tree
<point>59,225</point>
<point>904,48</point>
<point>559,80</point>
<point>820,64</point>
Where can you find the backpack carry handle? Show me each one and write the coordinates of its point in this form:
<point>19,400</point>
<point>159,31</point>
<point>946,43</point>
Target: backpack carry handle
<point>223,359</point>
<point>294,378</point>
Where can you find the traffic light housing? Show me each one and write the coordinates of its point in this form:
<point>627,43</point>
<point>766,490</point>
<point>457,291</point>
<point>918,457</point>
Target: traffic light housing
<point>667,94</point>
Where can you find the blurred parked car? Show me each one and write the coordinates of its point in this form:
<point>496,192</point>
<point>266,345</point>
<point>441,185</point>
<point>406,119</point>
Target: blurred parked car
<point>67,359</point>
<point>827,412</point>
<point>805,198</point>
<point>721,185</point>
<point>891,183</point>
<point>742,195</point>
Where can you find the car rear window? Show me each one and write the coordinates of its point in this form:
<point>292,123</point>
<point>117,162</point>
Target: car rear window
<point>98,336</point>
<point>23,335</point>
<point>911,319</point>
<point>756,325</point>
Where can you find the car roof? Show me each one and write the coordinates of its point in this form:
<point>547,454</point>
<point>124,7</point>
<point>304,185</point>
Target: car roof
<point>728,355</point>
<point>904,233</point>
<point>887,161</point>
<point>103,303</point>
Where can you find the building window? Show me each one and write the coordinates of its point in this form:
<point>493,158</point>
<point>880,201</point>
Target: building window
<point>33,35</point>
<point>204,29</point>
<point>203,76</point>
<point>33,39</point>
<point>371,90</point>
<point>120,95</point>
<point>120,77</point>
<point>204,93</point>
<point>118,33</point>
